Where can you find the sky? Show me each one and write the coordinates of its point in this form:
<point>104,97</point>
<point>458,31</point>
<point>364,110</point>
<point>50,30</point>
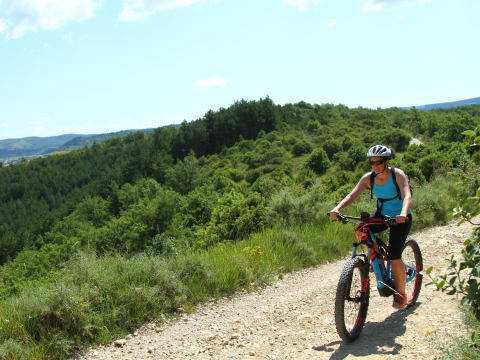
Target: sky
<point>97,66</point>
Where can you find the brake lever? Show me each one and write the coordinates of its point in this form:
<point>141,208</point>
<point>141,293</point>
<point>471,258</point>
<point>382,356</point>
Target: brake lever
<point>340,218</point>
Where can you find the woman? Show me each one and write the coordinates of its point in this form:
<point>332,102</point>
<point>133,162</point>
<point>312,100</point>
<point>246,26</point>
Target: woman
<point>388,203</point>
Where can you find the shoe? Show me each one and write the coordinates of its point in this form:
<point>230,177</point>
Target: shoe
<point>399,301</point>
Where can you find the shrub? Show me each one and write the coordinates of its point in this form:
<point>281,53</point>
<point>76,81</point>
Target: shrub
<point>235,216</point>
<point>300,249</point>
<point>464,273</point>
<point>318,161</point>
<point>331,147</point>
<point>398,139</point>
<point>301,147</point>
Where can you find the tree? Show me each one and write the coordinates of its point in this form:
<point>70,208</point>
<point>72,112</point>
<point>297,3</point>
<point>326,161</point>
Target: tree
<point>185,175</point>
<point>301,147</point>
<point>331,147</point>
<point>318,161</point>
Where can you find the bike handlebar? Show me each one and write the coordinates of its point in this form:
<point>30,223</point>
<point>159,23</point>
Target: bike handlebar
<point>387,220</point>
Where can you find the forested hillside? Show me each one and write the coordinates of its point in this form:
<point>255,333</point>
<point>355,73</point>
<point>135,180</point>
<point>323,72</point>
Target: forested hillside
<point>208,184</point>
<point>13,150</point>
<point>452,104</point>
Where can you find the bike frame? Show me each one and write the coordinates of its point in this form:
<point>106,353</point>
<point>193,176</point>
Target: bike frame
<point>382,269</point>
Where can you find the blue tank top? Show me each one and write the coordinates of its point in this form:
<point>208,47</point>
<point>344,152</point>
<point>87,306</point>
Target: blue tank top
<point>388,191</point>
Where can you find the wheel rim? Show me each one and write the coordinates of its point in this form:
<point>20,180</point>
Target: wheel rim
<point>413,269</point>
<point>353,301</point>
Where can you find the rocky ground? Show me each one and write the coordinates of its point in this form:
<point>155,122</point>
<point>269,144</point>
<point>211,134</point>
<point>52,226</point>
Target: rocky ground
<point>293,319</point>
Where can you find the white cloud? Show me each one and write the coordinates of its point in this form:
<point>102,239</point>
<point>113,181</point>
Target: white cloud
<point>210,82</point>
<point>67,36</point>
<point>3,26</point>
<point>31,15</point>
<point>19,30</point>
<point>134,10</point>
<point>402,18</point>
<point>3,125</point>
<point>301,5</point>
<point>378,5</point>
<point>332,22</point>
<point>45,45</point>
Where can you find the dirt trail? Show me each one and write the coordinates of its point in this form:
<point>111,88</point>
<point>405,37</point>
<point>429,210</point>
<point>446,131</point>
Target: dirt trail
<point>293,319</point>
<point>415,141</point>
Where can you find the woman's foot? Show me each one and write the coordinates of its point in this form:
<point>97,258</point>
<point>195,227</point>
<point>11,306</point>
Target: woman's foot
<point>399,301</point>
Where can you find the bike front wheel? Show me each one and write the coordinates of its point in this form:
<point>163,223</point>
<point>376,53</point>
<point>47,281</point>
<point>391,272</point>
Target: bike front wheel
<point>351,302</point>
<point>412,259</point>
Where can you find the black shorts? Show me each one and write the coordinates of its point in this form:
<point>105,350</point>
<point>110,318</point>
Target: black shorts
<point>397,238</point>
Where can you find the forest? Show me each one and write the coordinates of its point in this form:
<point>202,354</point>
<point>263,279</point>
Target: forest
<point>80,231</point>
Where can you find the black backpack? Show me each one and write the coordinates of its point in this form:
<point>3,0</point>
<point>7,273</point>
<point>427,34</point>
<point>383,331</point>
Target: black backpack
<point>399,194</point>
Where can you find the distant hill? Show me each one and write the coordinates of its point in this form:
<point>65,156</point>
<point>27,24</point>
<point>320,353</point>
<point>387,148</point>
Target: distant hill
<point>88,140</point>
<point>446,105</point>
<point>11,149</point>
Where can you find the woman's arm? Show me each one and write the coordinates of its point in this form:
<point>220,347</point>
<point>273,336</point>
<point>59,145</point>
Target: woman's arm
<point>363,184</point>
<point>402,182</point>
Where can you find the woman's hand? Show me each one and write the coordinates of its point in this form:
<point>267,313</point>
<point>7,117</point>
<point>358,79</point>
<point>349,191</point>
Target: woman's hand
<point>334,214</point>
<point>400,219</point>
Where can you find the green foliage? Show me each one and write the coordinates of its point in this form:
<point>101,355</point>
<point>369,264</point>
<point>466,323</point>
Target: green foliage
<point>432,163</point>
<point>234,216</point>
<point>185,175</point>
<point>301,147</point>
<point>463,273</point>
<point>287,207</point>
<point>318,161</point>
<point>150,194</point>
<point>397,139</point>
<point>331,147</point>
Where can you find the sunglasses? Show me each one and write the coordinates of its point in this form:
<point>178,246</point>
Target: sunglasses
<point>379,162</point>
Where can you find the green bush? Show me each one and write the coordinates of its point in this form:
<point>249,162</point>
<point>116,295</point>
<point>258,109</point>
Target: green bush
<point>331,147</point>
<point>234,217</point>
<point>464,273</point>
<point>95,299</point>
<point>303,253</point>
<point>318,161</point>
<point>397,139</point>
<point>301,147</point>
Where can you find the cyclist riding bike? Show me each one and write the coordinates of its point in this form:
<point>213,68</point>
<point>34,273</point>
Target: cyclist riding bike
<point>390,202</point>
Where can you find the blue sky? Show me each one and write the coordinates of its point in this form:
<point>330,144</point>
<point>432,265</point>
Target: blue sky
<point>95,66</point>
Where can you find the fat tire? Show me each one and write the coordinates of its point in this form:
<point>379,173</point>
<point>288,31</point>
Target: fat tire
<point>343,290</point>
<point>419,267</point>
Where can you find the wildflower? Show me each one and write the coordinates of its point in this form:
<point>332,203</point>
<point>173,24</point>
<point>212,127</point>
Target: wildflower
<point>7,321</point>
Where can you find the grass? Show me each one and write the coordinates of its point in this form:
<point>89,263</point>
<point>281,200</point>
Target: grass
<point>97,299</point>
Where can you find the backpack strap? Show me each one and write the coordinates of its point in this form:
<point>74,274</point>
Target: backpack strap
<point>372,181</point>
<point>395,183</point>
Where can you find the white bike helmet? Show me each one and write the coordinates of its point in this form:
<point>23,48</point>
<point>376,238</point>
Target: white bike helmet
<point>379,150</point>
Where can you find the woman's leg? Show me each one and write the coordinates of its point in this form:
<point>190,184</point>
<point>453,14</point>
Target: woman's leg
<point>398,236</point>
<point>398,269</point>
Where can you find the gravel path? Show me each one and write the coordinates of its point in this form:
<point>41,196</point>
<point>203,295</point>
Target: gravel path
<point>415,141</point>
<point>293,319</point>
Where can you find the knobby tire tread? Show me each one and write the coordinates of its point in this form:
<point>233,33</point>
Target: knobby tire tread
<point>342,289</point>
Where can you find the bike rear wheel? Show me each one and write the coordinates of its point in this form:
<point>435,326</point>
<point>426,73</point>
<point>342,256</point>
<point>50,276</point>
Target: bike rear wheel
<point>412,258</point>
<point>351,302</point>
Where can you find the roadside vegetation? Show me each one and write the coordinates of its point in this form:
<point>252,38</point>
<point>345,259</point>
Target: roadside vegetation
<point>462,278</point>
<point>98,241</point>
